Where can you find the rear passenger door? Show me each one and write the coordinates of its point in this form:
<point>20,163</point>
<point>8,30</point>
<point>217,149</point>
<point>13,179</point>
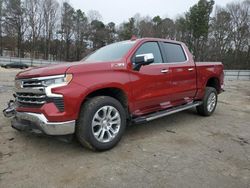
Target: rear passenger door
<point>183,72</point>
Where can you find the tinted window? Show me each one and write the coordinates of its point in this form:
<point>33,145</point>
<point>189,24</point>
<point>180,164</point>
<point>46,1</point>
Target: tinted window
<point>110,52</point>
<point>150,47</point>
<point>174,53</point>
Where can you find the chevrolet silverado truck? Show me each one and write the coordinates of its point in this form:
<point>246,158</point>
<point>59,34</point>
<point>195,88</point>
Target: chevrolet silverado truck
<point>136,81</point>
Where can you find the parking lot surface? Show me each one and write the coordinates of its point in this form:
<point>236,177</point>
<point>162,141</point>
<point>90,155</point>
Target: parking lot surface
<point>181,150</point>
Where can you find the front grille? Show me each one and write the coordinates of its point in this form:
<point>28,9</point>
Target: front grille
<point>31,93</point>
<point>31,98</point>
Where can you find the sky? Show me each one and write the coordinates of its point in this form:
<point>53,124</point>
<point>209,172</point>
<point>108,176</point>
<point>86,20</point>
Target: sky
<point>119,11</point>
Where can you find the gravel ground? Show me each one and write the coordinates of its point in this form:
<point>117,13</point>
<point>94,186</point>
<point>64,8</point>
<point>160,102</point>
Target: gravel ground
<point>181,150</point>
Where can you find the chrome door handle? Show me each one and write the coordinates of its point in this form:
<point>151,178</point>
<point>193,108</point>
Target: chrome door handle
<point>164,70</point>
<point>190,69</point>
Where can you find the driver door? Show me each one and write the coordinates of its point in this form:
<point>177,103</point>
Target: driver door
<point>151,85</point>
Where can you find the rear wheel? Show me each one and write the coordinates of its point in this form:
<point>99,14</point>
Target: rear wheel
<point>101,123</point>
<point>209,102</point>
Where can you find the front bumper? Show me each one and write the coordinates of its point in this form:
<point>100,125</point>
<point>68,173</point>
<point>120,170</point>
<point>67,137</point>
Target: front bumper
<point>38,123</point>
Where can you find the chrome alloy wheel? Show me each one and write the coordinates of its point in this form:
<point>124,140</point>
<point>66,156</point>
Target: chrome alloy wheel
<point>211,102</point>
<point>106,124</point>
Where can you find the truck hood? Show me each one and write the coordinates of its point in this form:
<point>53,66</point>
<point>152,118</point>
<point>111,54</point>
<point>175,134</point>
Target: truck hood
<point>62,69</point>
<point>49,70</point>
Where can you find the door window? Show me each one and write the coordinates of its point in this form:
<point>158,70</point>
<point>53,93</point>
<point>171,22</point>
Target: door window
<point>174,52</point>
<point>150,47</point>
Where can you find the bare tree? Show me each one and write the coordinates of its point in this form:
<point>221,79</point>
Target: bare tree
<point>35,21</point>
<point>240,23</point>
<point>50,17</point>
<point>111,32</point>
<point>182,32</point>
<point>16,22</point>
<point>67,26</point>
<point>220,33</point>
<point>80,32</point>
<point>146,29</point>
<point>94,15</point>
<point>168,28</point>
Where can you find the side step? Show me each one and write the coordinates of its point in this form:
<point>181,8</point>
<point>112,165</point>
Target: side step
<point>167,112</point>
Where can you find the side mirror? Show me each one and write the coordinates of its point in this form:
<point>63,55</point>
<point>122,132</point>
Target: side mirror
<point>143,59</point>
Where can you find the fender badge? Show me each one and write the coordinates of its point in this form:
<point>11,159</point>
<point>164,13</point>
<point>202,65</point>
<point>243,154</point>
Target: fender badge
<point>117,65</point>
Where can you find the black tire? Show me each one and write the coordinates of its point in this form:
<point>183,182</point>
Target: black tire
<point>84,131</point>
<point>203,109</point>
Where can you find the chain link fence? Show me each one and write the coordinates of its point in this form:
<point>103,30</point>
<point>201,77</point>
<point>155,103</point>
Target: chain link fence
<point>28,61</point>
<point>237,74</point>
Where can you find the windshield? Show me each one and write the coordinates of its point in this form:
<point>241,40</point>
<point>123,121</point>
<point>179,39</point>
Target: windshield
<point>110,52</point>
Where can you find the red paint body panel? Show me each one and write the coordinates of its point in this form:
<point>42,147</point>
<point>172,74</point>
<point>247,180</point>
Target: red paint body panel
<point>72,94</point>
<point>205,71</point>
<point>147,90</point>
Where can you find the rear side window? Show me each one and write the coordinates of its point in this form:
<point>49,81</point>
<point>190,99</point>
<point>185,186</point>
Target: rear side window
<point>150,47</point>
<point>174,53</point>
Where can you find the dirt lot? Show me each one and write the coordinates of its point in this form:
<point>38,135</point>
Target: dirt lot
<point>181,150</point>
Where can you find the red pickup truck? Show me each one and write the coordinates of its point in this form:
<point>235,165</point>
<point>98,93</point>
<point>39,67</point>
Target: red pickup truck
<point>130,81</point>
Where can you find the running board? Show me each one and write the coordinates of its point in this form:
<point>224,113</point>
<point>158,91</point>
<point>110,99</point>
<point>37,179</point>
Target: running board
<point>159,114</point>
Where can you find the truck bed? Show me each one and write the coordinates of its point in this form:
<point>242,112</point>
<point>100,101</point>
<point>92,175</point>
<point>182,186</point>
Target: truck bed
<point>208,70</point>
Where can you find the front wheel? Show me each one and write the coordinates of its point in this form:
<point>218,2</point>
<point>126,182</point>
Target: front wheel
<point>101,123</point>
<point>209,102</point>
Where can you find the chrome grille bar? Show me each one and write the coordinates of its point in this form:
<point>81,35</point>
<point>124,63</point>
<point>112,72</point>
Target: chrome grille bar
<point>32,84</point>
<point>30,101</point>
<point>30,96</point>
<point>31,92</point>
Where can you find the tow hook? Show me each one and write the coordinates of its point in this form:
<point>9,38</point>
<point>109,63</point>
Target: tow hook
<point>10,111</point>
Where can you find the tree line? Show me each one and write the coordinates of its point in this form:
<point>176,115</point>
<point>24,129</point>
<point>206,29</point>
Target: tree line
<point>50,30</point>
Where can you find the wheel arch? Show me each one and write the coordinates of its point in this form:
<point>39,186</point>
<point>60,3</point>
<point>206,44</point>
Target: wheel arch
<point>215,83</point>
<point>115,92</point>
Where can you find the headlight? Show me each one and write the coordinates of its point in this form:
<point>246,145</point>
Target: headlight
<point>57,81</point>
